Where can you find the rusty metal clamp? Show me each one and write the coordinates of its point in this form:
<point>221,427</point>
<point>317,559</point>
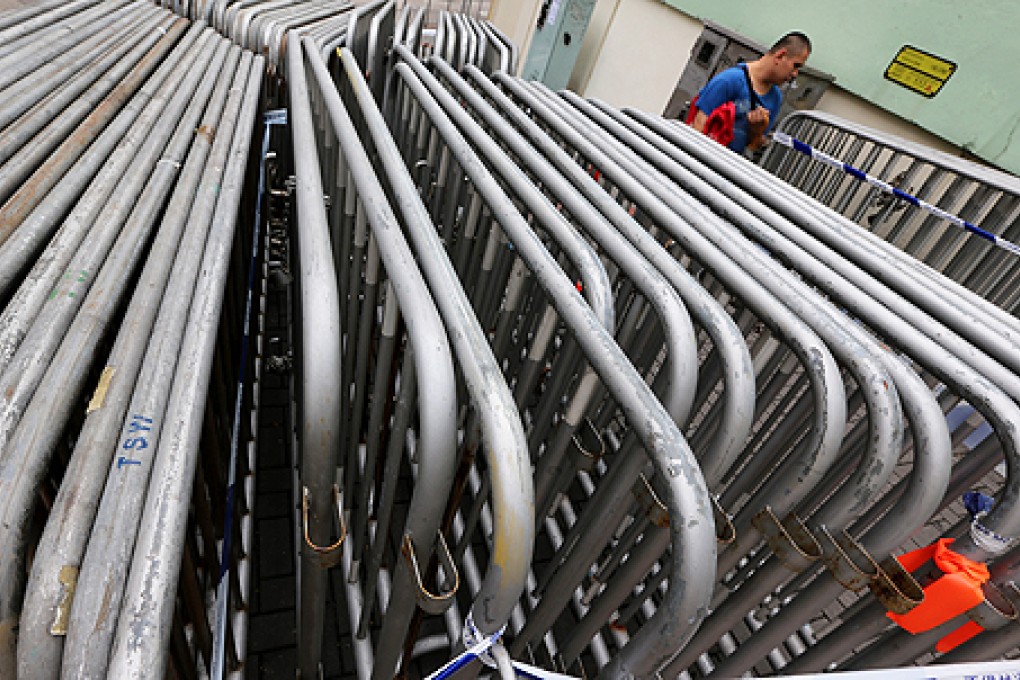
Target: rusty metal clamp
<point>659,515</point>
<point>329,556</point>
<point>587,447</point>
<point>847,559</point>
<point>433,603</point>
<point>895,588</point>
<point>725,532</point>
<point>789,539</point>
<point>646,497</point>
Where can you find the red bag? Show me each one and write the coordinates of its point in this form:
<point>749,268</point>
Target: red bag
<point>692,110</point>
<point>719,125</point>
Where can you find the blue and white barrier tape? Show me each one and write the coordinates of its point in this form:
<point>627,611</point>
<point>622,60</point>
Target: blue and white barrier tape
<point>807,150</point>
<point>476,651</point>
<point>479,647</point>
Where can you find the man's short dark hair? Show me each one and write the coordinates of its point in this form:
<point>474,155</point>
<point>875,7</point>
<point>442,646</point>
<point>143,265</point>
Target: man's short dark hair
<point>794,41</point>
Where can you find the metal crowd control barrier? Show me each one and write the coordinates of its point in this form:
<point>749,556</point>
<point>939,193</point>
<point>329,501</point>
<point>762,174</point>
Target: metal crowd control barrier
<point>1002,375</point>
<point>981,195</point>
<point>610,169</point>
<point>576,387</point>
<point>476,9</point>
<point>126,137</point>
<point>385,304</point>
<point>262,25</point>
<point>462,39</point>
<point>918,404</point>
<point>984,331</point>
<point>509,511</point>
<point>789,233</point>
<point>675,477</point>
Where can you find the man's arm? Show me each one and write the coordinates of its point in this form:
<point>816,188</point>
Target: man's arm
<point>699,120</point>
<point>757,123</point>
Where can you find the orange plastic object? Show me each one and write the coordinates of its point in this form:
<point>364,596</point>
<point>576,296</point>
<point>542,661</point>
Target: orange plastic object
<point>953,593</point>
<point>959,636</point>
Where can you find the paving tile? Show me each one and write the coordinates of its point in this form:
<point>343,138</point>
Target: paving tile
<point>274,547</point>
<point>275,594</point>
<point>274,631</point>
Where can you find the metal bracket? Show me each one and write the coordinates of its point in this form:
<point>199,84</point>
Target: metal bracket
<point>996,610</point>
<point>725,532</point>
<point>847,559</point>
<point>329,556</point>
<point>587,447</point>
<point>895,588</point>
<point>789,539</point>
<point>433,603</point>
<point>656,510</point>
<point>658,513</point>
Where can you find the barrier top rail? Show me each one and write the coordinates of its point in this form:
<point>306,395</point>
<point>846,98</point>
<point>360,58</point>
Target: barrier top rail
<point>807,150</point>
<point>982,173</point>
<point>738,375</point>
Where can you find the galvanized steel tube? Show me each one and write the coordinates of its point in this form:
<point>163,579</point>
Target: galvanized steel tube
<point>648,649</point>
<point>143,630</point>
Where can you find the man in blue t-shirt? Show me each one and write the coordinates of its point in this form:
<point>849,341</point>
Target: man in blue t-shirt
<point>754,90</point>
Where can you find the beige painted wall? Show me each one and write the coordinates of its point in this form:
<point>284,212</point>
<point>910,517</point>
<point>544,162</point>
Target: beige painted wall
<point>644,46</point>
<point>634,51</point>
<point>516,18</point>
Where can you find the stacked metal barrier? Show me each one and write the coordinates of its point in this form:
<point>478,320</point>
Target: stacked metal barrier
<point>977,193</point>
<point>911,309</point>
<point>813,392</point>
<point>966,360</point>
<point>575,388</point>
<point>462,39</point>
<point>125,136</point>
<point>501,500</point>
<point>262,26</point>
<point>774,358</point>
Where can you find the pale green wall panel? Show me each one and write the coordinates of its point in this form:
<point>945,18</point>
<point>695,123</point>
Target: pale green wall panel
<point>979,106</point>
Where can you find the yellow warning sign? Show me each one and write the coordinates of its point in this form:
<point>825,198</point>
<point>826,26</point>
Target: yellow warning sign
<point>919,71</point>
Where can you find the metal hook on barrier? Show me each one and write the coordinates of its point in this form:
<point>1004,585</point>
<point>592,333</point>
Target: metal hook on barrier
<point>329,556</point>
<point>432,603</point>
<point>789,539</point>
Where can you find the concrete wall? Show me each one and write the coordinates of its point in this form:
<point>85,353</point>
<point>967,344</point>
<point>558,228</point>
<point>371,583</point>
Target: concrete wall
<point>633,53</point>
<point>846,105</point>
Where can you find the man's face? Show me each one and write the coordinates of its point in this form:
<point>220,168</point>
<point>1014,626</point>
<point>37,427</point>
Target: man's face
<point>787,64</point>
